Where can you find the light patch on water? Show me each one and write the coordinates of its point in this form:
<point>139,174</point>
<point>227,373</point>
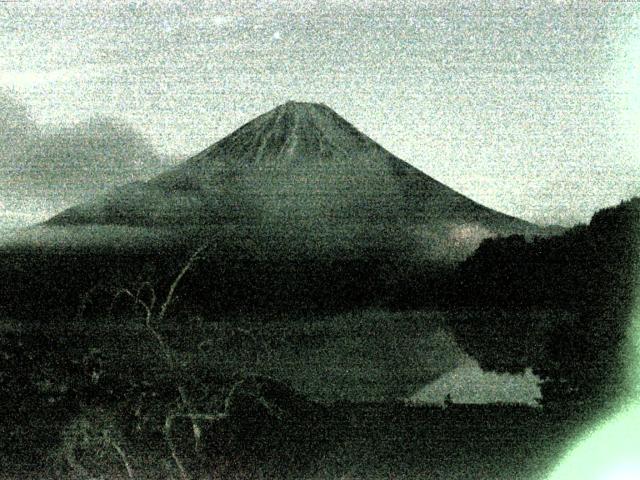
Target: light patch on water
<point>468,383</point>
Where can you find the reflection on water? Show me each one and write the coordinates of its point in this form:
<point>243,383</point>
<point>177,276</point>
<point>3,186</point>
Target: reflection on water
<point>469,384</point>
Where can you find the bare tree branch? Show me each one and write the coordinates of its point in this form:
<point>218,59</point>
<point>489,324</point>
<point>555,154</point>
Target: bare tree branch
<point>168,426</point>
<point>195,417</point>
<point>123,457</point>
<point>144,296</point>
<point>178,279</point>
<point>152,291</point>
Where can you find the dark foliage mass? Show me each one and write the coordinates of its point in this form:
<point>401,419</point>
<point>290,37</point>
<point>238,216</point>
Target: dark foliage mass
<point>590,265</point>
<point>56,383</point>
<point>48,284</point>
<point>75,384</point>
<point>590,270</point>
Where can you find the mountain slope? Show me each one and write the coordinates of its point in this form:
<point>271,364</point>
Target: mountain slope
<point>298,163</point>
<point>298,209</point>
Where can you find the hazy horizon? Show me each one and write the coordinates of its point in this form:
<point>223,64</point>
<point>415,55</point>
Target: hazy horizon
<point>532,110</point>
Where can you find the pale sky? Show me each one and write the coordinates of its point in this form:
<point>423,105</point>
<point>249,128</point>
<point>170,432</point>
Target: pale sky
<point>532,108</point>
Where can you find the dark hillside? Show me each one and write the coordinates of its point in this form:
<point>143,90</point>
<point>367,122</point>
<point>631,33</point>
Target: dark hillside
<point>591,269</point>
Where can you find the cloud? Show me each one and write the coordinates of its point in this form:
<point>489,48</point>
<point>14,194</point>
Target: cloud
<point>45,169</point>
<point>468,236</point>
<point>16,126</point>
<point>470,384</point>
<point>98,152</point>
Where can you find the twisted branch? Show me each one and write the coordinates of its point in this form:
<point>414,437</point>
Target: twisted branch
<point>145,297</point>
<point>211,418</point>
<point>178,279</point>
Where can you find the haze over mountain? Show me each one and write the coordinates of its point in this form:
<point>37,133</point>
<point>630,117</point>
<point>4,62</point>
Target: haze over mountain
<point>302,171</point>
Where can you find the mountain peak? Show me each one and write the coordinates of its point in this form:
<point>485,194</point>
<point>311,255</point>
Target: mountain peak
<point>297,105</point>
<point>300,163</point>
<point>291,111</point>
<point>294,108</point>
<point>303,109</point>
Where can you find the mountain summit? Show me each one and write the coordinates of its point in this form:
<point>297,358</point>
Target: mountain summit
<point>298,164</point>
<point>297,209</point>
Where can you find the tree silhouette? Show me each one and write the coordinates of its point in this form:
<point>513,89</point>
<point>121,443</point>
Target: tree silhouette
<point>589,271</point>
